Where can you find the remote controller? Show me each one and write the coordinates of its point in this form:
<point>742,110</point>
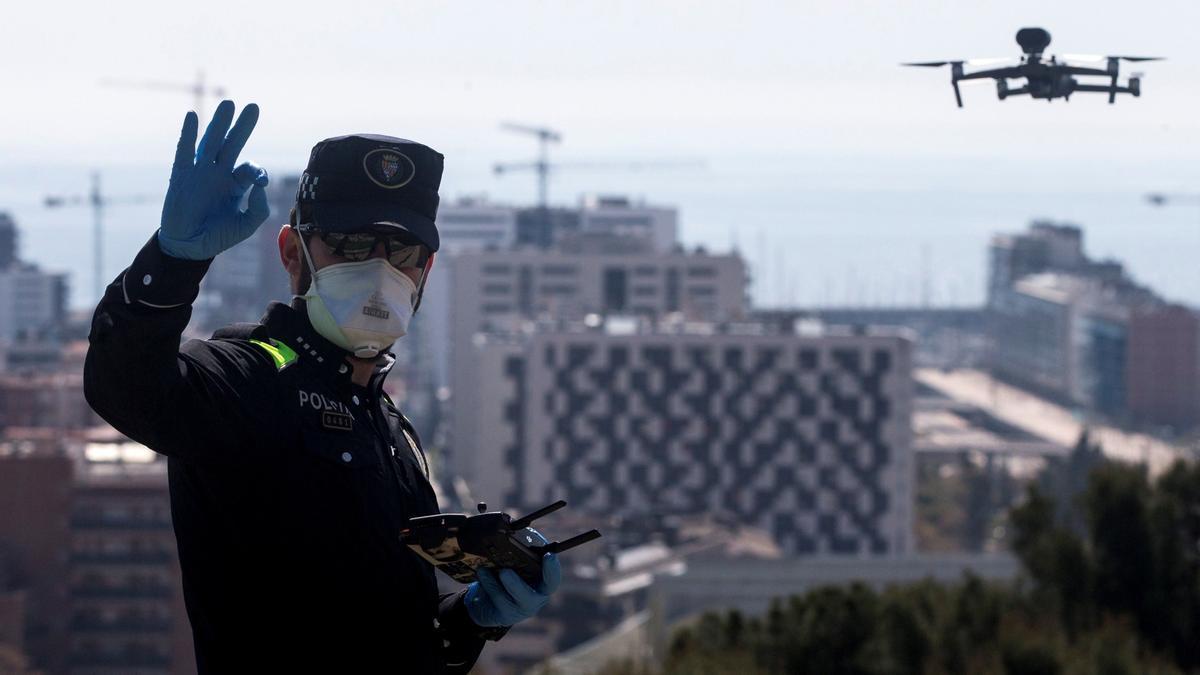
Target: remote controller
<point>457,543</point>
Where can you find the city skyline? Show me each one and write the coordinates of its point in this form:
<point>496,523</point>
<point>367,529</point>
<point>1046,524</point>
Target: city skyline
<point>794,332</point>
<point>781,103</point>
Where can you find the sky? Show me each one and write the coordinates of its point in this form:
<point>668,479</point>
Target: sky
<point>841,176</point>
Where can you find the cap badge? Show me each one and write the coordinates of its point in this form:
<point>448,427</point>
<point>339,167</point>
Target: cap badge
<point>389,169</point>
<point>389,164</point>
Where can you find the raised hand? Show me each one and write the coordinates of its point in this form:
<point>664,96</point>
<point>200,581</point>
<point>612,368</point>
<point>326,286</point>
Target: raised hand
<point>201,215</point>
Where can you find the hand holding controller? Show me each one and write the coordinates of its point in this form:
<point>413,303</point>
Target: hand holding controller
<point>510,567</point>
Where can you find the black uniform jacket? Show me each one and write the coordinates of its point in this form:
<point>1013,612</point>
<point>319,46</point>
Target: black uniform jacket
<point>289,485</point>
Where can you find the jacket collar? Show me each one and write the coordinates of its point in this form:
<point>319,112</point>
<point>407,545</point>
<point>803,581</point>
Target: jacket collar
<point>289,324</point>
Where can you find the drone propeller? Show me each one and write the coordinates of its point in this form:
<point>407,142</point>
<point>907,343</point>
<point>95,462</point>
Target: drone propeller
<point>932,64</point>
<point>970,62</point>
<point>1097,57</point>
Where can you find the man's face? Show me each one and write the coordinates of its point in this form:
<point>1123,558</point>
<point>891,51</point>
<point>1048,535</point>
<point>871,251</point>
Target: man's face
<point>322,256</point>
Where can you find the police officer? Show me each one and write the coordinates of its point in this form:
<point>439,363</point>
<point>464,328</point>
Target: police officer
<point>291,472</point>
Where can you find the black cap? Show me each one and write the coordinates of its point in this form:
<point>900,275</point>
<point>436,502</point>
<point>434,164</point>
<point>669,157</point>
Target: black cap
<point>353,182</point>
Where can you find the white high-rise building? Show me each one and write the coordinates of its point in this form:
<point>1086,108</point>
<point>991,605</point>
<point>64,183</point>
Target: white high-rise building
<point>475,224</point>
<point>620,216</point>
<point>33,303</point>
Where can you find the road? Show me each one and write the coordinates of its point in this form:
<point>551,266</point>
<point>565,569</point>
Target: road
<point>1048,420</point>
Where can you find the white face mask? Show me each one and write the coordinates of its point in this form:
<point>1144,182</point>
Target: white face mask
<point>362,307</point>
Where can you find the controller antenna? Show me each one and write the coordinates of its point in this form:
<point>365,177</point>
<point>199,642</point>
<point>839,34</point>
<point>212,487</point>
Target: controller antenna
<point>525,521</point>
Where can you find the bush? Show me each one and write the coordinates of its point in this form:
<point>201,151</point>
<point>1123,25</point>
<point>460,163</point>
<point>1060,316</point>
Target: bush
<point>1114,589</point>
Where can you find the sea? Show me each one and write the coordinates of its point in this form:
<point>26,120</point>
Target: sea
<point>819,231</point>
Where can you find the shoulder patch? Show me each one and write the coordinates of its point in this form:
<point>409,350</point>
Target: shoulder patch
<point>281,354</point>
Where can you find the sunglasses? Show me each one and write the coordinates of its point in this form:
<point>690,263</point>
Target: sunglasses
<point>402,249</point>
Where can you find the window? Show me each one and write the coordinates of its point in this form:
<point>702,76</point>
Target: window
<point>615,289</point>
<point>525,289</point>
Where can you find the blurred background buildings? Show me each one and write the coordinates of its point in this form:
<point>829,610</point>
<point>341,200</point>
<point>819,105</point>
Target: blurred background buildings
<point>730,453</point>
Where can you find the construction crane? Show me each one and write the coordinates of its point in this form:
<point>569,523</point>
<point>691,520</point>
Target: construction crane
<point>199,89</point>
<point>98,201</point>
<point>545,137</point>
<point>543,167</point>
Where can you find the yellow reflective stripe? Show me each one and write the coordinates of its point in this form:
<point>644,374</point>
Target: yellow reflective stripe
<point>281,354</point>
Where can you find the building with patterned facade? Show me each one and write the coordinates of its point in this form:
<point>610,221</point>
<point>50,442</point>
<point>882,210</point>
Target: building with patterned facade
<point>501,291</point>
<point>804,436</point>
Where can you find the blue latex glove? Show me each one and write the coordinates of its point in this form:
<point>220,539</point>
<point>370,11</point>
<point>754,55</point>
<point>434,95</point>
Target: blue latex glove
<point>201,215</point>
<point>504,599</point>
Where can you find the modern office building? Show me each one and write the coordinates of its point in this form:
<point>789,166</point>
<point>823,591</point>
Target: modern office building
<point>87,547</point>
<point>656,226</point>
<point>475,224</point>
<point>570,284</point>
<point>543,227</point>
<point>600,275</point>
<point>33,309</point>
<point>1045,246</point>
<point>8,241</point>
<point>805,437</point>
<point>1058,321</point>
<point>33,303</point>
<point>1163,367</point>
<point>653,227</point>
<point>126,600</point>
<point>1065,336</point>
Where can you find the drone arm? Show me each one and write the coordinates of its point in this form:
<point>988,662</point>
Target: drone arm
<point>1079,70</point>
<point>1112,91</point>
<point>992,73</point>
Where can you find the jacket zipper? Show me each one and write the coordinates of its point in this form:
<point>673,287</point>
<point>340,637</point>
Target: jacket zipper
<point>378,417</point>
